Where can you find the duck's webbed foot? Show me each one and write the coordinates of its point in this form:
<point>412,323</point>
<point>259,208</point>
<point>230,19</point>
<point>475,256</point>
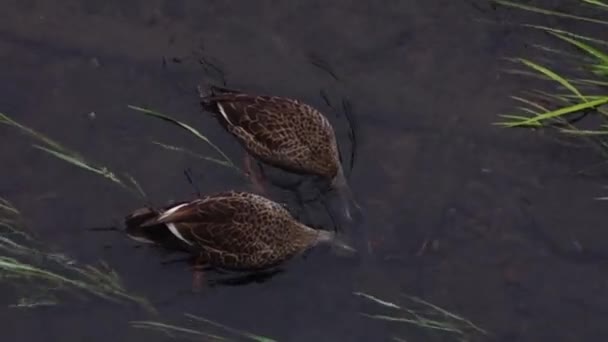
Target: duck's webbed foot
<point>198,275</point>
<point>256,178</point>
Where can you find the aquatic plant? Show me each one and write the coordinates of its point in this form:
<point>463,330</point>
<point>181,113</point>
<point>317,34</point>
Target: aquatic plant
<point>61,152</point>
<point>224,161</point>
<point>24,260</point>
<point>422,314</point>
<point>41,275</point>
<point>577,92</point>
<point>175,331</point>
<point>125,181</point>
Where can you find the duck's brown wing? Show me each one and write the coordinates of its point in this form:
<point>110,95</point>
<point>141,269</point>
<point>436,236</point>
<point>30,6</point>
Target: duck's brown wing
<point>276,124</point>
<point>223,223</point>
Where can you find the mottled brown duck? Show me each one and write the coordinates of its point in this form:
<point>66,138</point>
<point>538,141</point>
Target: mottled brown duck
<point>282,132</point>
<point>231,230</point>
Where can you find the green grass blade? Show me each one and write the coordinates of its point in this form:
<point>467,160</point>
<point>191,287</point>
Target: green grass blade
<point>70,159</point>
<point>429,316</point>
<point>4,119</point>
<point>8,206</point>
<point>528,110</point>
<point>530,103</point>
<point>557,51</point>
<point>511,119</point>
<point>567,33</point>
<point>583,132</point>
<point>169,329</point>
<point>23,261</point>
<point>136,186</point>
<point>557,113</point>
<point>601,70</point>
<point>247,334</point>
<point>447,313</point>
<point>592,82</point>
<point>598,3</point>
<point>377,300</point>
<point>554,76</point>
<point>192,154</point>
<point>188,128</point>
<point>599,55</point>
<point>17,267</point>
<point>560,99</point>
<point>418,322</point>
<point>58,151</point>
<point>549,12</point>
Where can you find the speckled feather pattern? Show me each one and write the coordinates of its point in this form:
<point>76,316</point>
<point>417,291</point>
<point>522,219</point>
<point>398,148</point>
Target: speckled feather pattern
<point>238,230</point>
<point>280,131</point>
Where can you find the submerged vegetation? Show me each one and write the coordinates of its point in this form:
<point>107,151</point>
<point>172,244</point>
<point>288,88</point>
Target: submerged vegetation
<point>577,69</point>
<point>224,161</point>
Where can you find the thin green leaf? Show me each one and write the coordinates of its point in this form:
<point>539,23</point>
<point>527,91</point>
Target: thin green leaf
<point>590,82</point>
<point>528,110</point>
<point>192,154</point>
<point>4,119</point>
<point>57,150</point>
<point>568,33</point>
<point>247,334</point>
<point>559,112</point>
<point>530,103</point>
<point>601,70</point>
<point>558,52</point>
<point>597,3</point>
<point>583,132</point>
<point>169,329</point>
<point>136,185</point>
<point>377,300</point>
<point>70,159</point>
<point>7,206</point>
<point>428,324</point>
<point>599,55</point>
<point>512,119</point>
<point>188,128</point>
<point>549,12</point>
<point>554,76</point>
<point>572,97</point>
<point>446,313</point>
<point>559,99</point>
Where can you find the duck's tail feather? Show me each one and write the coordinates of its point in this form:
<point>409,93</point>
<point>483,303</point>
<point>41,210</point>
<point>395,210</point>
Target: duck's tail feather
<point>215,101</point>
<point>210,92</point>
<point>140,217</point>
<point>141,225</point>
<point>217,90</point>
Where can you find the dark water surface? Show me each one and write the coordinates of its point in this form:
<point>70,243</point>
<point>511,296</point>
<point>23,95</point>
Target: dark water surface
<point>514,240</point>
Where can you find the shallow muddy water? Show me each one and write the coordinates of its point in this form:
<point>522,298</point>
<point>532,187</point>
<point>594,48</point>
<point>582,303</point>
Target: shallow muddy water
<point>499,226</point>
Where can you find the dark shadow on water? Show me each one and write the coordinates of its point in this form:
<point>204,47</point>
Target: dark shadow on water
<point>246,279</point>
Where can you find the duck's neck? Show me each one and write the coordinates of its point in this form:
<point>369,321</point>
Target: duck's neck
<point>339,180</point>
<point>310,237</point>
<point>324,237</point>
<point>349,207</point>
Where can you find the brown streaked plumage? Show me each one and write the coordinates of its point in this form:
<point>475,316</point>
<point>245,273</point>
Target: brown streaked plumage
<point>282,132</point>
<point>231,230</point>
